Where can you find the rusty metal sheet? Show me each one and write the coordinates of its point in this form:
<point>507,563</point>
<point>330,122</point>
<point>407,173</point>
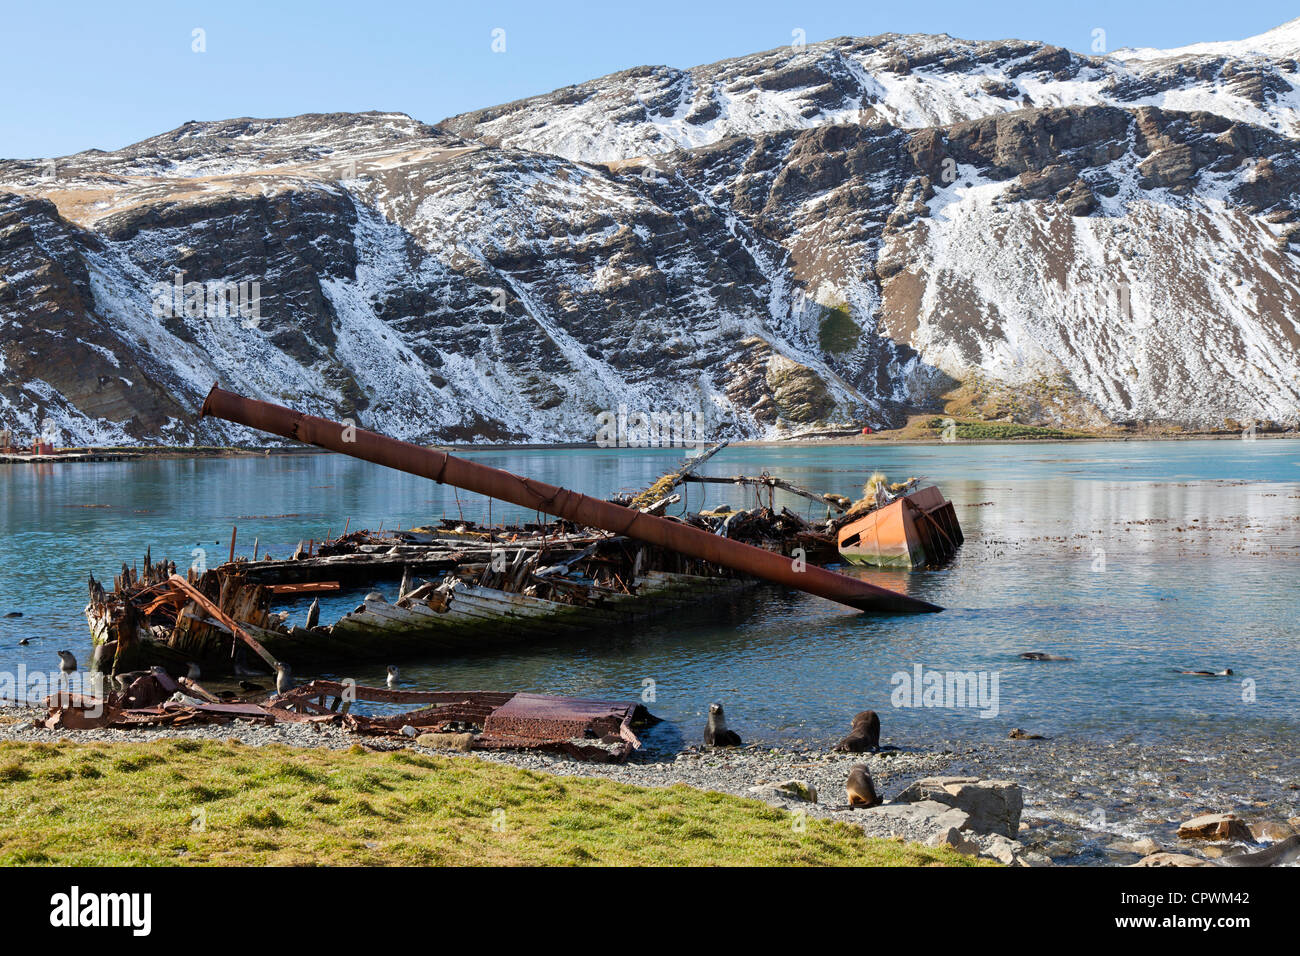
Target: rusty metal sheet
<point>544,717</point>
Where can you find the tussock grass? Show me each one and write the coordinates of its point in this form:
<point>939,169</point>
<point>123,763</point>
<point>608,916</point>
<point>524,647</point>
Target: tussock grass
<point>191,802</point>
<point>1002,431</point>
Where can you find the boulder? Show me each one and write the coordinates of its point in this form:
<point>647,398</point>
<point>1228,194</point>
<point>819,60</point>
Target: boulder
<point>993,805</point>
<point>1215,826</point>
<point>1270,831</point>
<point>916,822</point>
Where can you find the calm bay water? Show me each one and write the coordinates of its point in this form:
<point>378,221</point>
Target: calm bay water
<point>1133,558</point>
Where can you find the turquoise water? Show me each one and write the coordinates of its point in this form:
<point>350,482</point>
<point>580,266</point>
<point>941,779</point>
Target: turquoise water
<point>1133,558</point>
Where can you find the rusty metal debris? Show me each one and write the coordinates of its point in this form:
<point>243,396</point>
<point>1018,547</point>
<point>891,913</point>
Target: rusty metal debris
<point>597,730</point>
<point>593,730</point>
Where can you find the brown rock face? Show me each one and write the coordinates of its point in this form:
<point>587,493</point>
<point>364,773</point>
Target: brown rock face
<point>832,235</point>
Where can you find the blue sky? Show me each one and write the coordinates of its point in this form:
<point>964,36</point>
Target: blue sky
<point>105,74</point>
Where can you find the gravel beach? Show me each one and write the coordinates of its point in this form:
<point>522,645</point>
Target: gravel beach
<point>1084,803</point>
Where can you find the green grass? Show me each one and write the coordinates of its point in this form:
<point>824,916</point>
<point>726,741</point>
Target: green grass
<point>1001,431</point>
<point>836,331</point>
<point>200,802</point>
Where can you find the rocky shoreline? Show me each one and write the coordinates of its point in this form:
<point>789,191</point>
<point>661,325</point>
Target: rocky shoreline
<point>1011,802</point>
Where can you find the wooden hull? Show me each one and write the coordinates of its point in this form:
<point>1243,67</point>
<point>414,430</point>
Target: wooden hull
<point>473,619</point>
<point>917,530</point>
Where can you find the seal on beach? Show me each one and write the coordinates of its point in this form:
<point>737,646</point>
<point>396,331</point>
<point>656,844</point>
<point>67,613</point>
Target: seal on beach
<point>283,678</point>
<point>716,733</point>
<point>1040,656</point>
<point>1226,672</point>
<point>101,658</point>
<point>67,663</point>
<point>392,675</point>
<point>865,735</point>
<point>860,787</point>
<point>1283,852</point>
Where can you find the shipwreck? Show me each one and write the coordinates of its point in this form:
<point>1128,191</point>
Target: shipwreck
<point>601,566</point>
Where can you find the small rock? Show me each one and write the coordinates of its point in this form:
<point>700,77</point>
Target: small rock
<point>1215,826</point>
<point>1171,859</point>
<point>957,840</point>
<point>1145,847</point>
<point>789,789</point>
<point>999,848</point>
<point>446,741</point>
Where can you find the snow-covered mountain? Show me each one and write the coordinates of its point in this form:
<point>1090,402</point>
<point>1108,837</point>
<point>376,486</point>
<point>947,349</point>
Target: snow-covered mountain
<point>837,233</point>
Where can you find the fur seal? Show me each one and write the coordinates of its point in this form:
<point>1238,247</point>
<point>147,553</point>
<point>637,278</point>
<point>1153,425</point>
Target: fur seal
<point>101,658</point>
<point>1226,672</point>
<point>1283,852</point>
<point>1019,734</point>
<point>192,671</point>
<point>24,642</point>
<point>716,733</point>
<point>125,679</point>
<point>67,663</point>
<point>392,675</point>
<point>283,678</point>
<point>865,735</point>
<point>14,614</point>
<point>1040,656</point>
<point>860,788</point>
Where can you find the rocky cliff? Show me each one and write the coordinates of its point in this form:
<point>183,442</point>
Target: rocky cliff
<point>829,235</point>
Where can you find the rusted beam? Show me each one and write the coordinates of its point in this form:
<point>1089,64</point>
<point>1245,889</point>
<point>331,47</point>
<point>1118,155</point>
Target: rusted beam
<point>202,600</point>
<point>307,587</point>
<point>539,496</point>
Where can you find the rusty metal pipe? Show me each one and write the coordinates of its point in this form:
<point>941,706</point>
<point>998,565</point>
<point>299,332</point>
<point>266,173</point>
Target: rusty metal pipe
<point>580,509</point>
